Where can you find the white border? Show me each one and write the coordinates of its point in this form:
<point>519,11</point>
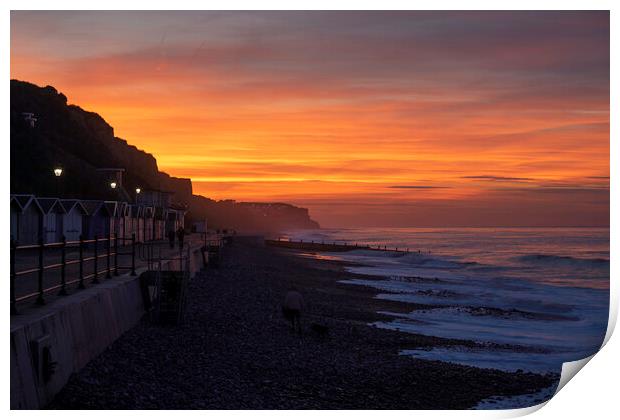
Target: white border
<point>592,394</point>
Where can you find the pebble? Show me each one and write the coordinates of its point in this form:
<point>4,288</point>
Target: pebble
<point>235,350</point>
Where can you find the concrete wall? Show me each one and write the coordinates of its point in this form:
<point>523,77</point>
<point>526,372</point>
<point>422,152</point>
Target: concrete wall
<point>77,328</point>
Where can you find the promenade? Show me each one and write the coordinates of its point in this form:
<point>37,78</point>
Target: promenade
<point>107,267</point>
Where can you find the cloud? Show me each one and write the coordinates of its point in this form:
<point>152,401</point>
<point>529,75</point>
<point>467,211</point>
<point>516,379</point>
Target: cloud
<point>417,187</point>
<point>375,106</point>
<point>565,191</point>
<point>497,178</point>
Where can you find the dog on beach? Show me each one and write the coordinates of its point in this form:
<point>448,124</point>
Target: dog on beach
<point>320,330</point>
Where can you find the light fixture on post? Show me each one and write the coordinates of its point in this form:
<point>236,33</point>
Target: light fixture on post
<point>57,174</point>
<point>138,190</point>
<point>113,185</point>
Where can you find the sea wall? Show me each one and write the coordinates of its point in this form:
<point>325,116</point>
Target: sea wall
<point>75,329</point>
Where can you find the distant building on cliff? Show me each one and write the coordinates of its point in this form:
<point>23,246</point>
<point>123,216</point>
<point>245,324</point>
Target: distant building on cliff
<point>29,118</point>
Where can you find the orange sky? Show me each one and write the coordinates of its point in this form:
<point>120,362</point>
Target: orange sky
<point>400,119</point>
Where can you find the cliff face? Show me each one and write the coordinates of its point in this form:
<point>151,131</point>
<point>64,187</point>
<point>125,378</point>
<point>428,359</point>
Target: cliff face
<point>81,141</point>
<point>263,217</point>
<point>78,140</point>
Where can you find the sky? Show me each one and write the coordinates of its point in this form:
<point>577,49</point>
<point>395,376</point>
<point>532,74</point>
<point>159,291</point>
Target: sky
<point>366,118</point>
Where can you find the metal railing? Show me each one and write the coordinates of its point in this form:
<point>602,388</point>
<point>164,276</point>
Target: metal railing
<point>151,253</point>
<point>110,252</point>
<point>211,239</point>
<point>157,263</point>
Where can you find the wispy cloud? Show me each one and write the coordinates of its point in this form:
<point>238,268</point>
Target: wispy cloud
<point>561,190</point>
<point>417,187</point>
<point>497,178</point>
<point>396,108</point>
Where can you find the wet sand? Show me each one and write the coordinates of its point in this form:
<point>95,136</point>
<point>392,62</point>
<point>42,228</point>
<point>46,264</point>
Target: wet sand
<point>236,351</point>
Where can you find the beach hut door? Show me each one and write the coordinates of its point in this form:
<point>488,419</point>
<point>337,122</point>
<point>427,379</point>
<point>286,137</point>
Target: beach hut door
<point>50,227</point>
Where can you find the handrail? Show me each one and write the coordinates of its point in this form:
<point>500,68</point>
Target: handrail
<point>68,243</point>
<point>59,265</point>
<point>52,288</point>
<point>110,253</point>
<point>90,251</point>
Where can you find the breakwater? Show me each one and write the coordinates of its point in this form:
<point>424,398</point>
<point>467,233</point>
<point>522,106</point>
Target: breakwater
<point>330,246</point>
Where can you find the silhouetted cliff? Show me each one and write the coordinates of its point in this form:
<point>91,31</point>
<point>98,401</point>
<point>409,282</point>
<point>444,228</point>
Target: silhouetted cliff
<point>81,142</point>
<point>252,216</point>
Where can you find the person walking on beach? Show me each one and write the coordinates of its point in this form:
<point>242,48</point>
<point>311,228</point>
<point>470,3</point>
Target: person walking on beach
<point>171,238</point>
<point>292,307</point>
<point>181,236</point>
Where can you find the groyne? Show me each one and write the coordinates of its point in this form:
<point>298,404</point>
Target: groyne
<point>330,246</point>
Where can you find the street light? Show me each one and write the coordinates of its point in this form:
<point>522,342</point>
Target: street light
<point>57,173</point>
<point>113,185</point>
<point>138,190</point>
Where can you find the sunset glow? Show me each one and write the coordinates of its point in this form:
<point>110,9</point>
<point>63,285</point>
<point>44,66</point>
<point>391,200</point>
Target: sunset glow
<point>419,119</point>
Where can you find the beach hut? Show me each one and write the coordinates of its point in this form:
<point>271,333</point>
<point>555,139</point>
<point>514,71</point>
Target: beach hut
<point>53,212</point>
<point>114,209</point>
<point>137,219</point>
<point>73,219</point>
<point>16,210</point>
<point>117,224</point>
<point>136,214</point>
<point>128,220</point>
<point>181,217</point>
<point>172,220</point>
<point>176,218</point>
<point>148,212</point>
<point>120,222</point>
<point>159,223</point>
<point>29,220</point>
<point>99,219</point>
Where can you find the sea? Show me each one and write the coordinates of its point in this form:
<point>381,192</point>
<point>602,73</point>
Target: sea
<point>531,298</point>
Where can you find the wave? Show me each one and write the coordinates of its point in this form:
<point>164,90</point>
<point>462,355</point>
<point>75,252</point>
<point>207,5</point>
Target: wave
<point>426,261</point>
<point>514,312</point>
<point>559,260</point>
<point>414,259</point>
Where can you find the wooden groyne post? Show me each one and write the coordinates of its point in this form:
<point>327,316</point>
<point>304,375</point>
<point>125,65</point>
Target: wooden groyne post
<point>328,247</point>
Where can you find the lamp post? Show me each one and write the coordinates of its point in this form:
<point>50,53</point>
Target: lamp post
<point>57,174</point>
<point>137,193</point>
<point>113,185</point>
